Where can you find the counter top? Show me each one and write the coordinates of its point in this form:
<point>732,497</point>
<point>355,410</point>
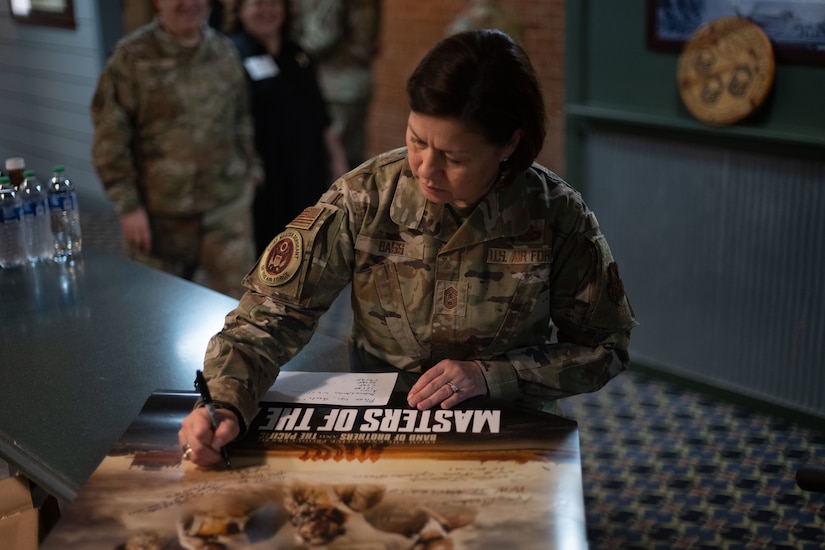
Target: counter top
<point>84,345</point>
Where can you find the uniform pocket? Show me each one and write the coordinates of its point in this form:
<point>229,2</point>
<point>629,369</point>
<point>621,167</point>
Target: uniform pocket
<point>383,312</point>
<point>521,307</point>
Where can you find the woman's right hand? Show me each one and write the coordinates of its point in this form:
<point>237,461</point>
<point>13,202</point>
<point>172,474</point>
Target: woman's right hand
<point>196,433</point>
<point>136,230</point>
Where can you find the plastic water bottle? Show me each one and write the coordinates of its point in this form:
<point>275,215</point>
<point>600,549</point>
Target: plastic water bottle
<point>65,216</point>
<point>37,223</point>
<point>12,245</point>
<point>14,168</point>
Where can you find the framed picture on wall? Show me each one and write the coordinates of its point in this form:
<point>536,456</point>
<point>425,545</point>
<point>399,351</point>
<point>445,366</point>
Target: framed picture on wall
<point>796,28</point>
<point>50,13</point>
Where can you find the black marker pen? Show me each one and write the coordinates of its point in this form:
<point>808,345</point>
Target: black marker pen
<point>206,397</point>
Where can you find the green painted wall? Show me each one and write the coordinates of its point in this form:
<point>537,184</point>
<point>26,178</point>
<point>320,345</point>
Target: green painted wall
<point>614,79</point>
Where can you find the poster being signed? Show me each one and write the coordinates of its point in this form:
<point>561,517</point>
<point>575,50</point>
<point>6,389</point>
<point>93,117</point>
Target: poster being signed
<point>339,477</point>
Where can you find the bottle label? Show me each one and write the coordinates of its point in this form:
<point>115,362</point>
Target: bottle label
<point>34,208</point>
<point>62,200</point>
<point>10,214</point>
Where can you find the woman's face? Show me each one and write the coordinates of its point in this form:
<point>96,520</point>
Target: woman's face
<point>453,165</point>
<point>183,18</point>
<point>262,18</point>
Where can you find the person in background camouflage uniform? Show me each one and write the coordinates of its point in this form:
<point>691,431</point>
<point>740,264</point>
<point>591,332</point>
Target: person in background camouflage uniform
<point>173,147</point>
<point>342,38</point>
<point>487,14</point>
<point>469,263</point>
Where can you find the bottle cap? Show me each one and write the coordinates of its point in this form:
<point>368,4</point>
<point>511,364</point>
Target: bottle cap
<point>15,163</point>
<point>4,179</point>
<point>28,173</point>
<point>57,168</point>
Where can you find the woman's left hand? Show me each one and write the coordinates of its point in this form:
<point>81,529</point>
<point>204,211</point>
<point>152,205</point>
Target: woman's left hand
<point>449,383</point>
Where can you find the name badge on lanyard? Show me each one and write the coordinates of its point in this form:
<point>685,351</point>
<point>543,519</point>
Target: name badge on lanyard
<point>260,67</point>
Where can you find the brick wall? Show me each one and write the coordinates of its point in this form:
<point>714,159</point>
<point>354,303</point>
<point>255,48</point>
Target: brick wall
<point>410,29</point>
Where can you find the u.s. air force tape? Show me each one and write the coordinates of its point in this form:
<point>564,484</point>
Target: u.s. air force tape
<point>514,256</point>
<point>281,259</point>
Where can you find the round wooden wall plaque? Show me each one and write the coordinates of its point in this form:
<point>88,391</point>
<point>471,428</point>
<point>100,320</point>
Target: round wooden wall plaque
<point>726,70</point>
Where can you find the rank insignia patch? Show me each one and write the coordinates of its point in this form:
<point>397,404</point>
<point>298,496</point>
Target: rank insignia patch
<point>450,298</point>
<point>281,259</point>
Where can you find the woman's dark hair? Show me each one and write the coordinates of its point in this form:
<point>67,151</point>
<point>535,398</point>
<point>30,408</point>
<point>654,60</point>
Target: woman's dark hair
<point>486,81</point>
<point>232,18</point>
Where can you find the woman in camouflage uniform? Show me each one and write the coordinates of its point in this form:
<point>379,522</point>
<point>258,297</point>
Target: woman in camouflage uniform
<point>469,264</point>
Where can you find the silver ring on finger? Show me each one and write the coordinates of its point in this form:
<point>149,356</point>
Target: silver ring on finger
<point>187,451</point>
<point>453,387</point>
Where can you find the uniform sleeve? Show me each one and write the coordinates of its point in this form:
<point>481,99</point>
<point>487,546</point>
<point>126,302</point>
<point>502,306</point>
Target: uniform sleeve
<point>364,23</point>
<point>322,26</point>
<point>273,323</point>
<point>113,111</point>
<point>593,318</point>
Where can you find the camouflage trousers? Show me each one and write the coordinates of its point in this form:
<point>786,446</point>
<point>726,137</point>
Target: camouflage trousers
<point>215,248</point>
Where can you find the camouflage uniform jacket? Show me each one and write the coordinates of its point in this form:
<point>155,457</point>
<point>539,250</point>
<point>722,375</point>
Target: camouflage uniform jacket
<point>528,262</point>
<point>341,37</point>
<point>173,129</point>
<point>487,14</point>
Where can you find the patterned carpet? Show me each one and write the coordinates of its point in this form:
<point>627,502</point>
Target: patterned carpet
<point>665,467</point>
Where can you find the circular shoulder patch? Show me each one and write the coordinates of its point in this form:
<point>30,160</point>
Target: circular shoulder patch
<point>281,259</point>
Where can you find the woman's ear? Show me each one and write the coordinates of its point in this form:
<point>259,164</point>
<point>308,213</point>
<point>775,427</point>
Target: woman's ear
<point>512,144</point>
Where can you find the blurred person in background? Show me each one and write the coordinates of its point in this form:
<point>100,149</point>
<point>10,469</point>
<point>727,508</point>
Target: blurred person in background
<point>301,152</point>
<point>487,14</point>
<point>343,39</point>
<point>173,146</point>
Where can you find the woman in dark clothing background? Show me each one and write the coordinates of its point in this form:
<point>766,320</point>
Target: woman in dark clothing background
<point>300,151</point>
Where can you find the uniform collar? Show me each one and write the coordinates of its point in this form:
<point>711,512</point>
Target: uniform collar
<point>501,213</point>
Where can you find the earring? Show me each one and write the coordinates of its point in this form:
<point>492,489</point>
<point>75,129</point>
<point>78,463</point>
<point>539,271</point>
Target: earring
<point>503,169</point>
